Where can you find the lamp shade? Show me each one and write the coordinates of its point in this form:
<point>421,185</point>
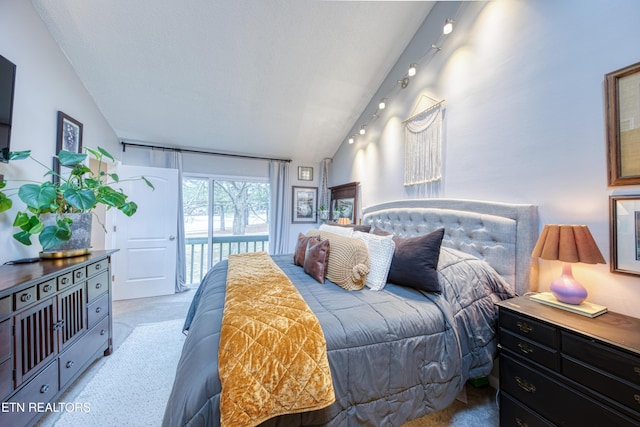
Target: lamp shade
<point>568,243</point>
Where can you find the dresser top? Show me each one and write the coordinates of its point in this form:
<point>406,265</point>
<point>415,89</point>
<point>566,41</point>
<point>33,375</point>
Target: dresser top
<point>16,276</point>
<point>613,328</point>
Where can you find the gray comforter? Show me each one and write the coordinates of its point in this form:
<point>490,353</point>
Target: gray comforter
<point>395,355</point>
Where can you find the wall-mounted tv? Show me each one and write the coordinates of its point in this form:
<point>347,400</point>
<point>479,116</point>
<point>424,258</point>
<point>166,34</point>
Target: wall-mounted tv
<point>7,86</point>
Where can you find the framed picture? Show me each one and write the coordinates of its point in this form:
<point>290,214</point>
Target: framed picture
<point>622,88</point>
<point>305,173</point>
<point>344,202</point>
<point>69,134</point>
<point>624,220</point>
<point>305,203</point>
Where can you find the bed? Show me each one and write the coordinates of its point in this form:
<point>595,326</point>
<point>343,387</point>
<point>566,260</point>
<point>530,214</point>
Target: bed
<point>395,354</point>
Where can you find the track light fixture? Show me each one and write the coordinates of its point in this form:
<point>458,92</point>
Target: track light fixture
<point>351,139</point>
<point>448,26</point>
<point>383,104</point>
<point>404,82</point>
<point>362,131</point>
<point>412,70</point>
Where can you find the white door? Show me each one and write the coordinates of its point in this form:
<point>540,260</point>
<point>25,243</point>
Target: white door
<point>145,264</point>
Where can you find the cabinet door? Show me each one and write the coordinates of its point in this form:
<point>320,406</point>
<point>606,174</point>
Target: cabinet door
<point>72,314</point>
<point>35,339</point>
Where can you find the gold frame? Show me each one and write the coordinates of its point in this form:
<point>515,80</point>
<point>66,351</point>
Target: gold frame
<point>623,146</point>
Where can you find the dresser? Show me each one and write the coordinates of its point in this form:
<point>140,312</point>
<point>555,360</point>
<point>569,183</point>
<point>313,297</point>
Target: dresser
<point>561,368</point>
<point>55,320</point>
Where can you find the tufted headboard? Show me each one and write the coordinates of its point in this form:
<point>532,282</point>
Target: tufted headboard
<point>501,234</point>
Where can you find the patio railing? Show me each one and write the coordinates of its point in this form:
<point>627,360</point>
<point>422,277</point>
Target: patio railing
<point>222,247</point>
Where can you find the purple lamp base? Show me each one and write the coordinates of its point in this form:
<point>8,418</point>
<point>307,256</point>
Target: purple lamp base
<point>566,289</point>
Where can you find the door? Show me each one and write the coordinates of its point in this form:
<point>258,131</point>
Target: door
<point>145,264</point>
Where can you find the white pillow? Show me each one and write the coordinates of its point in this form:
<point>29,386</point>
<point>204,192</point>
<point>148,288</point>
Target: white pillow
<point>380,255</point>
<point>342,231</point>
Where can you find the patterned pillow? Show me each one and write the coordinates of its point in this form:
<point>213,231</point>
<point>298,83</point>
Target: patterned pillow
<point>381,250</point>
<point>301,248</point>
<point>336,229</point>
<point>348,260</point>
<point>316,259</point>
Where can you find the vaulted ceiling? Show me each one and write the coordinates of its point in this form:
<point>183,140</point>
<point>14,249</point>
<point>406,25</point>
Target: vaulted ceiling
<point>276,78</point>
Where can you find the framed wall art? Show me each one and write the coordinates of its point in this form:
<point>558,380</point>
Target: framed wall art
<point>69,134</point>
<point>624,222</point>
<point>622,91</point>
<point>344,202</point>
<point>304,205</point>
<point>305,173</point>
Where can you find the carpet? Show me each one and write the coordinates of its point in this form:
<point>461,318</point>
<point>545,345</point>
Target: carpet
<point>132,386</point>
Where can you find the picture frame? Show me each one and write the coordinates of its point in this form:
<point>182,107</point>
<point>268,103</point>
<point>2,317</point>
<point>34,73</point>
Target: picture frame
<point>304,205</point>
<point>622,93</point>
<point>344,202</point>
<point>305,173</point>
<point>69,134</point>
<point>624,222</point>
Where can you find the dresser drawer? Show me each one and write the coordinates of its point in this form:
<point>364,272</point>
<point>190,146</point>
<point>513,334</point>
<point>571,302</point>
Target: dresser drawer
<point>530,328</point>
<point>5,339</point>
<point>24,297</point>
<point>79,275</point>
<point>65,280</point>
<point>46,288</point>
<point>5,306</point>
<point>553,400</point>
<point>73,360</point>
<point>530,350</point>
<point>97,267</point>
<point>513,413</point>
<point>40,389</point>
<point>623,365</point>
<point>97,285</point>
<point>97,310</point>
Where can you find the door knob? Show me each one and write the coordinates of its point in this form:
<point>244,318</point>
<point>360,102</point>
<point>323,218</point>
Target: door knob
<point>172,237</point>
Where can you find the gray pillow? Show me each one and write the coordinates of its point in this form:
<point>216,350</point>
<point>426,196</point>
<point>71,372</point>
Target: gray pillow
<point>415,261</point>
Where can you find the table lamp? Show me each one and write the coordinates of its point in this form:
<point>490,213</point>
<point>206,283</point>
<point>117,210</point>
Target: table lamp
<point>568,243</point>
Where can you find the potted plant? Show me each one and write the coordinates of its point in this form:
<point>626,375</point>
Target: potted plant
<point>323,213</point>
<point>55,209</point>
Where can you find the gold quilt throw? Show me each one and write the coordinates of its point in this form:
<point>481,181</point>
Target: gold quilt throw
<point>273,356</point>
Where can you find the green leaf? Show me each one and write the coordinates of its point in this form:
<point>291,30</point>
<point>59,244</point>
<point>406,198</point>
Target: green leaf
<point>21,219</point>
<point>96,154</point>
<point>54,235</point>
<point>3,184</point>
<point>106,154</point>
<point>148,182</point>
<point>92,182</point>
<point>129,208</point>
<point>34,226</point>
<point>80,199</point>
<point>5,203</point>
<point>67,158</point>
<point>111,197</point>
<point>19,155</point>
<point>23,237</point>
<point>37,196</point>
<point>80,169</point>
<point>115,177</point>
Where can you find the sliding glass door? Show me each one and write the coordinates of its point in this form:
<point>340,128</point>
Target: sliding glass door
<point>223,217</point>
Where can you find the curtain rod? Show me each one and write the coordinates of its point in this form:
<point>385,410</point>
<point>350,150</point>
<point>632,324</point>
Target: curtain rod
<point>424,111</point>
<point>189,150</point>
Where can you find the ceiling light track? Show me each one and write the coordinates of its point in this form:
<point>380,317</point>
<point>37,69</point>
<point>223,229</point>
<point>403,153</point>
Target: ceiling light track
<point>193,151</point>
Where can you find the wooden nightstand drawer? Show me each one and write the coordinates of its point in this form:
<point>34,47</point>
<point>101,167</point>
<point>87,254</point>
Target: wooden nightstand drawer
<point>553,400</point>
<point>530,328</point>
<point>47,288</point>
<point>530,350</point>
<point>623,365</point>
<point>512,413</point>
<point>97,267</point>
<point>65,280</point>
<point>79,275</point>
<point>602,382</point>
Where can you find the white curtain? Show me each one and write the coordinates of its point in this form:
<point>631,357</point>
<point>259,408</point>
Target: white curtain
<point>173,160</point>
<point>280,207</point>
<point>423,148</point>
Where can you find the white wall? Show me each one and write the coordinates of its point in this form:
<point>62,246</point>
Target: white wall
<point>523,82</point>
<point>45,83</point>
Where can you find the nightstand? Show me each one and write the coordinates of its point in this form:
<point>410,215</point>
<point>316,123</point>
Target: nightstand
<point>561,368</point>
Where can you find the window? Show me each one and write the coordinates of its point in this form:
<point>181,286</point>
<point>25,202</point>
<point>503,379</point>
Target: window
<point>223,217</point>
